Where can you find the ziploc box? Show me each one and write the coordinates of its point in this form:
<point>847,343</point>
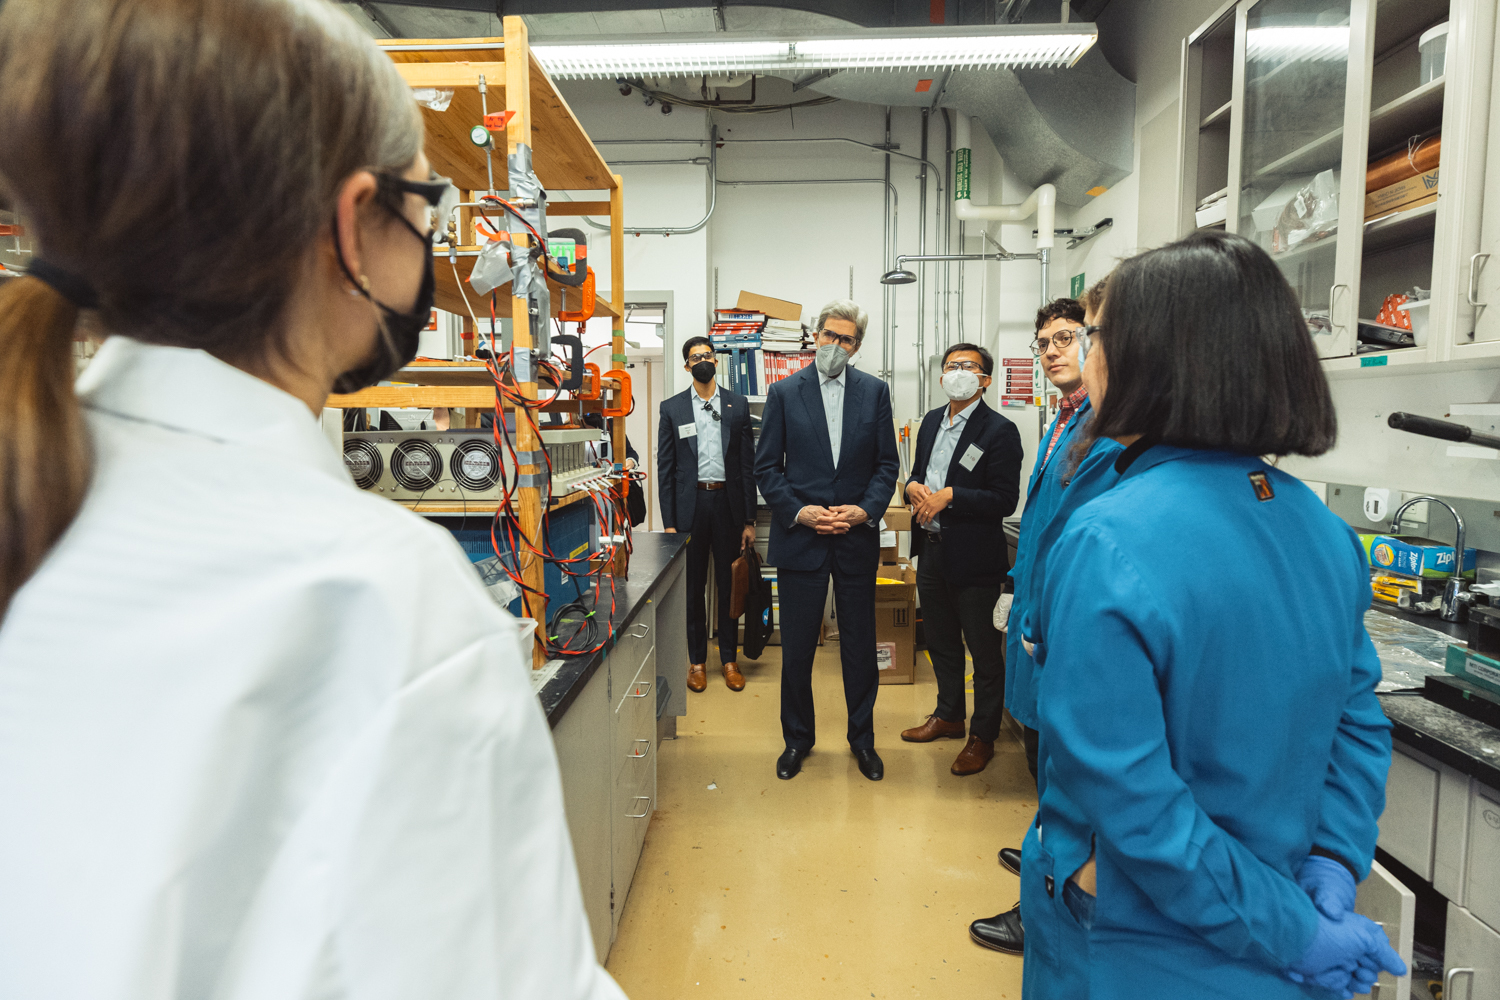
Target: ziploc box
<point>1417,556</point>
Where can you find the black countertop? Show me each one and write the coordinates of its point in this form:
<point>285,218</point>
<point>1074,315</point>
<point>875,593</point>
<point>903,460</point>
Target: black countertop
<point>653,556</point>
<point>1464,744</point>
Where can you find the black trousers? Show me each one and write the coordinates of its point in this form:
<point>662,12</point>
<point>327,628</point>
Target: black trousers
<point>714,532</point>
<point>953,617</point>
<point>801,594</point>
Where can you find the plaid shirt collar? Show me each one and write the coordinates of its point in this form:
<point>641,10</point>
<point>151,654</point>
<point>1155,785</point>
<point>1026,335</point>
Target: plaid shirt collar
<point>1070,404</point>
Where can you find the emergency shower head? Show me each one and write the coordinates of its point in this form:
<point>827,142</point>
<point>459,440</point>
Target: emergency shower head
<point>900,276</point>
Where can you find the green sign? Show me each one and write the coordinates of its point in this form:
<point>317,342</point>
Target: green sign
<point>1375,362</point>
<point>1075,287</point>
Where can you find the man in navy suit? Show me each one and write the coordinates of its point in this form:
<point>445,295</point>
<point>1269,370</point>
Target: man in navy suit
<point>827,466</point>
<point>705,484</point>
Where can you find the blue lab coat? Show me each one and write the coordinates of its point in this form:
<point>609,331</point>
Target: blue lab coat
<point>1044,495</point>
<point>1208,715</point>
<point>1057,947</point>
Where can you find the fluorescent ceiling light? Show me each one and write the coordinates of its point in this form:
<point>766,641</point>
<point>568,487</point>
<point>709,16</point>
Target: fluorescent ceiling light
<point>1028,46</point>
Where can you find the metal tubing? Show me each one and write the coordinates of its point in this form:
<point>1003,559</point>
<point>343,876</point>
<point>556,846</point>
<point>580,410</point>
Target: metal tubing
<point>922,279</point>
<point>887,293</point>
<point>713,197</point>
<point>489,160</point>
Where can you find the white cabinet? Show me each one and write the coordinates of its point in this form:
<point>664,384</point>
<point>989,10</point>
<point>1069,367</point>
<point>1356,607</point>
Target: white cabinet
<point>580,741</point>
<point>1408,828</point>
<point>1394,907</point>
<point>1482,887</point>
<point>1471,958</point>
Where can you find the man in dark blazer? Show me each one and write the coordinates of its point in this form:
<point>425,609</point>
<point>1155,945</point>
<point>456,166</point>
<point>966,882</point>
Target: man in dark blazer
<point>706,485</point>
<point>827,466</point>
<point>966,478</point>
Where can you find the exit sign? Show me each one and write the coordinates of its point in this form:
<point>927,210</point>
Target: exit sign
<point>1075,287</point>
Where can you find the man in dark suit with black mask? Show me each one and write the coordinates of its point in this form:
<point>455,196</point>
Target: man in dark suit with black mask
<point>827,466</point>
<point>705,483</point>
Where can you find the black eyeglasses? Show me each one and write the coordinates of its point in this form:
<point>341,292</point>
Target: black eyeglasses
<point>1061,339</point>
<point>849,343</point>
<point>708,408</point>
<point>439,193</point>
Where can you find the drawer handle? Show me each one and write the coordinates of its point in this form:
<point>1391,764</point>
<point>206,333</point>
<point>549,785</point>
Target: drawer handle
<point>639,625</point>
<point>646,811</point>
<point>641,690</point>
<point>1450,975</point>
<point>644,751</point>
<point>1473,274</point>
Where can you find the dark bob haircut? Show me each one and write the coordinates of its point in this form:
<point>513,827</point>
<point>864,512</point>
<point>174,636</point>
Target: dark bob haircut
<point>1206,347</point>
<point>1068,309</point>
<point>984,356</point>
<point>692,342</point>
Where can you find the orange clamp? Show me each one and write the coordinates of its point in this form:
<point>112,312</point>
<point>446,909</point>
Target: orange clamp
<point>591,377</point>
<point>623,410</point>
<point>586,310</point>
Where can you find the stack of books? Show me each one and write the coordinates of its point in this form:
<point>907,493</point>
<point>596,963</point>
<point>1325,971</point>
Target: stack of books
<point>783,335</point>
<point>736,329</point>
<point>751,371</point>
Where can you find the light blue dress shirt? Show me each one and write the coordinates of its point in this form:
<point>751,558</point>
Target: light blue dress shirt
<point>950,429</point>
<point>833,408</point>
<point>710,440</point>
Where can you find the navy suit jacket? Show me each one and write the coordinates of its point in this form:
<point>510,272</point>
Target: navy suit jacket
<point>974,550</point>
<point>677,458</point>
<point>794,468</point>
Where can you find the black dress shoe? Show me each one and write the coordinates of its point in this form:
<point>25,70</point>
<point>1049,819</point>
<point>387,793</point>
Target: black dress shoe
<point>870,764</point>
<point>1010,859</point>
<point>790,762</point>
<point>1002,932</point>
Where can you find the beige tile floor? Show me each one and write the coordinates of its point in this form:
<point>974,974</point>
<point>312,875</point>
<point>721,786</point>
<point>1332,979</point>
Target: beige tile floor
<point>827,885</point>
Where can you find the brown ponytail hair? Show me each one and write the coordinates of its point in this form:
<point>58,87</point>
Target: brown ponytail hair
<point>183,157</point>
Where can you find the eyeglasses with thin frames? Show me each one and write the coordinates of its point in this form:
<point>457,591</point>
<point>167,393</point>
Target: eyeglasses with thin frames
<point>964,366</point>
<point>1061,339</point>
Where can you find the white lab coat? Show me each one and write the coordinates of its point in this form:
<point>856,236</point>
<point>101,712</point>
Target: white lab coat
<point>265,736</point>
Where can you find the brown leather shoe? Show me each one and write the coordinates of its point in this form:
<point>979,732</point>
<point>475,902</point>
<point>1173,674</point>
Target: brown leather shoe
<point>974,756</point>
<point>934,729</point>
<point>697,679</point>
<point>733,677</point>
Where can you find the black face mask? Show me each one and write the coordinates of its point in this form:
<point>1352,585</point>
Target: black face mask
<point>396,348</point>
<point>704,371</point>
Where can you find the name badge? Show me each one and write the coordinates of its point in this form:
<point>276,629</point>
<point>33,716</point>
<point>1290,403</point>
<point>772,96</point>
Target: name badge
<point>971,457</point>
<point>687,430</point>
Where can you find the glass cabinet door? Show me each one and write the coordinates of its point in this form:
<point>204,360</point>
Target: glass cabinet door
<point>1302,91</point>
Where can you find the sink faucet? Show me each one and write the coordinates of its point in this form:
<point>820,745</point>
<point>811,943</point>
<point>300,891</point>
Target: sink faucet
<point>1455,594</point>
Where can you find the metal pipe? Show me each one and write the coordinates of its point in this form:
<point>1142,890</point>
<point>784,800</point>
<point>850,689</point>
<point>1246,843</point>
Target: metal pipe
<point>922,281</point>
<point>947,219</point>
<point>489,160</point>
<point>699,142</point>
<point>713,197</point>
<point>1045,256</point>
<point>888,333</point>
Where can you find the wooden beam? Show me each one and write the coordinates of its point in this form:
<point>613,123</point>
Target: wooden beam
<point>577,208</point>
<point>528,498</point>
<point>452,75</point>
<point>394,396</point>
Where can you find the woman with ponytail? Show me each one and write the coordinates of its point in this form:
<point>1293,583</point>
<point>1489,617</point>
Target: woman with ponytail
<point>243,751</point>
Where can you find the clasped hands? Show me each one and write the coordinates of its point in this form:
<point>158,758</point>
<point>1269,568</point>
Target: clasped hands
<point>927,504</point>
<point>1349,951</point>
<point>832,520</point>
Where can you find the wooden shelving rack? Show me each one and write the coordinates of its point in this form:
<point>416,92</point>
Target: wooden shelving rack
<point>564,159</point>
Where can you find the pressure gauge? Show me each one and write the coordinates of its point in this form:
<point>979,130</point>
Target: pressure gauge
<point>479,136</point>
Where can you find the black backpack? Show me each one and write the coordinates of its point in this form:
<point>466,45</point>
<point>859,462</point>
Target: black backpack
<point>760,619</point>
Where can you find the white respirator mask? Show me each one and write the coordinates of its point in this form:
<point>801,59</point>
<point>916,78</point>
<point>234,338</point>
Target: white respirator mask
<point>960,385</point>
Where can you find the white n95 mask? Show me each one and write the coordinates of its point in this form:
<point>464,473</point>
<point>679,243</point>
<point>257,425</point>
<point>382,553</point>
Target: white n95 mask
<point>831,359</point>
<point>960,385</point>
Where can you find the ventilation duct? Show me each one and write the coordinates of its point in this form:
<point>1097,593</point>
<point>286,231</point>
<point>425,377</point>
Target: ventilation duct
<point>1072,128</point>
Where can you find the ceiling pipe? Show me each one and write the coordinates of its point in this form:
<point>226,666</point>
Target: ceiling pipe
<point>1041,203</point>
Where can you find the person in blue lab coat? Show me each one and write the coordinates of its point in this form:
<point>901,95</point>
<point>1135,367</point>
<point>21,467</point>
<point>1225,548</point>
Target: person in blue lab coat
<point>1215,753</point>
<point>1057,350</point>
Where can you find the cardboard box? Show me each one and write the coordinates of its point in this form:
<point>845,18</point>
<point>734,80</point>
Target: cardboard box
<point>896,622</point>
<point>897,519</point>
<point>774,308</point>
<point>1410,193</point>
<point>1417,556</point>
<point>1462,662</point>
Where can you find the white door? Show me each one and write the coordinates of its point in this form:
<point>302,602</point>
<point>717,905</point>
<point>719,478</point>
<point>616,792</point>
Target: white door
<point>1394,907</point>
<point>1471,958</point>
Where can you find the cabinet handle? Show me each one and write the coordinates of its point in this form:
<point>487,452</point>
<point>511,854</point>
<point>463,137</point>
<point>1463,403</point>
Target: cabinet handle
<point>1450,975</point>
<point>639,625</point>
<point>639,693</point>
<point>644,751</point>
<point>1331,289</point>
<point>646,811</point>
<point>1473,277</point>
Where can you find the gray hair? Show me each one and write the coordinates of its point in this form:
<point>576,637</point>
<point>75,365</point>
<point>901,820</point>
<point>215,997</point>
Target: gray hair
<point>846,309</point>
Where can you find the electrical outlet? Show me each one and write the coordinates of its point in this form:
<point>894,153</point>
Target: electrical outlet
<point>1416,513</point>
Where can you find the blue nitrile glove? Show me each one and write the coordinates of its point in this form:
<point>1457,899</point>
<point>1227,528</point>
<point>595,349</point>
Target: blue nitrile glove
<point>1339,948</point>
<point>1329,883</point>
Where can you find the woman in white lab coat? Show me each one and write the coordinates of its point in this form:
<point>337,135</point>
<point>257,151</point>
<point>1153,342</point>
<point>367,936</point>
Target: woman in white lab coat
<point>261,734</point>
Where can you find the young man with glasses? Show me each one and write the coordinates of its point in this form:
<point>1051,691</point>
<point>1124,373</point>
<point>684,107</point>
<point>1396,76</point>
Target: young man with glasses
<point>827,466</point>
<point>965,479</point>
<point>706,485</point>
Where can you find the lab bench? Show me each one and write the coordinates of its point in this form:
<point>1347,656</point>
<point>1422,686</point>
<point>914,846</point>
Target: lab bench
<point>1442,822</point>
<point>603,709</point>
